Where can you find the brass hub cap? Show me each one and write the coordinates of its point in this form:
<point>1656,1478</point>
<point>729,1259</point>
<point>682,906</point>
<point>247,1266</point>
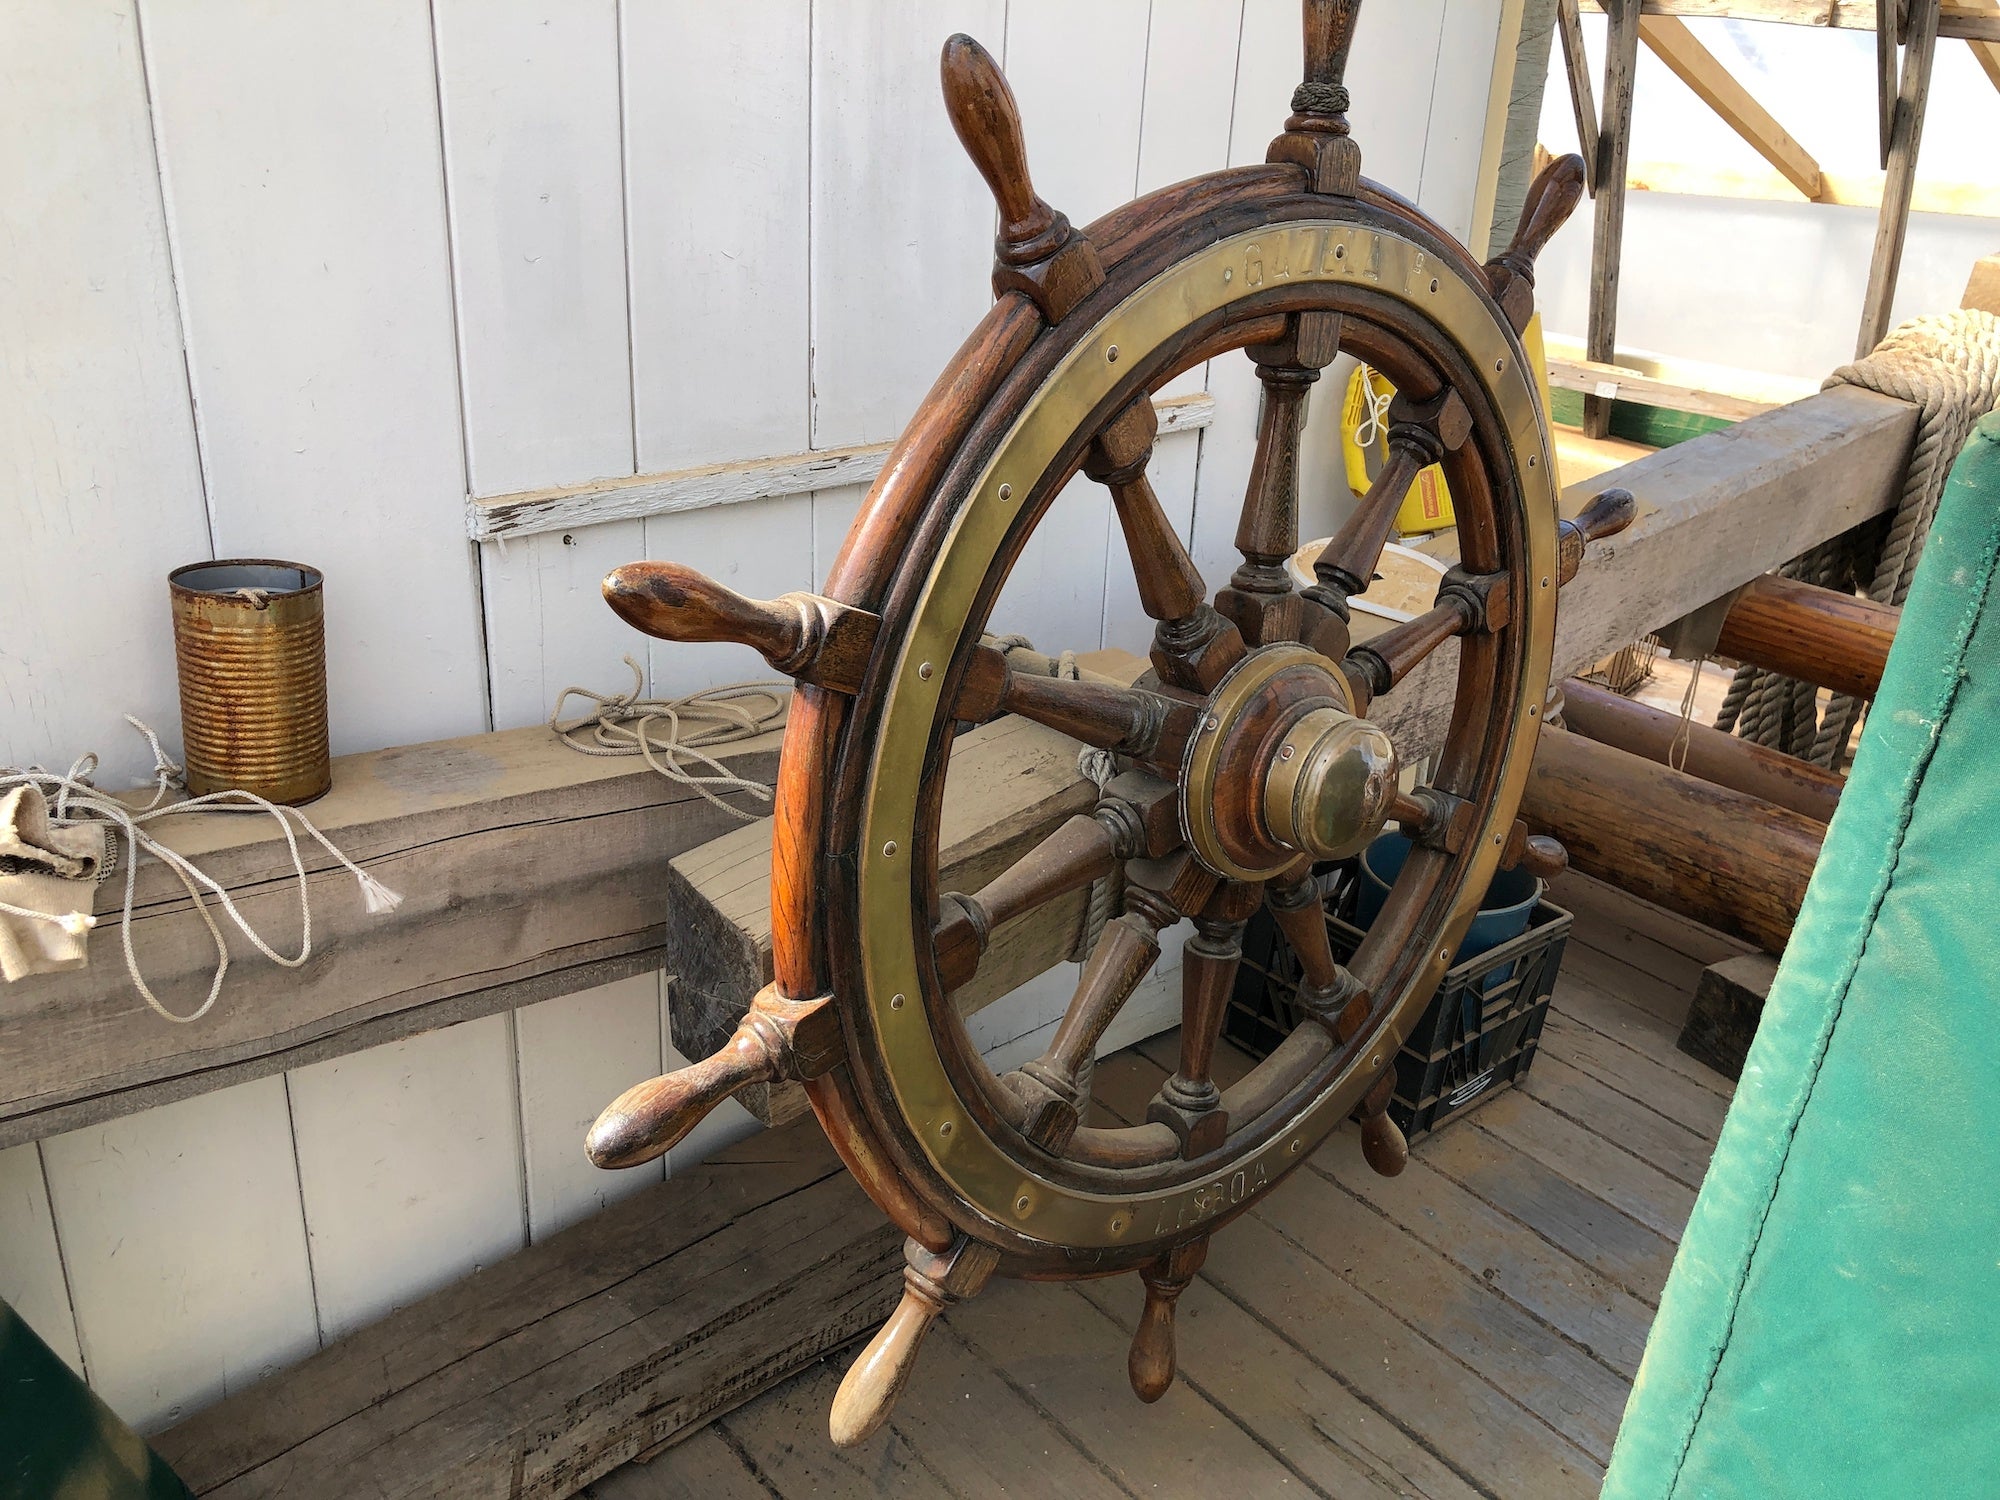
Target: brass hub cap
<point>1283,724</point>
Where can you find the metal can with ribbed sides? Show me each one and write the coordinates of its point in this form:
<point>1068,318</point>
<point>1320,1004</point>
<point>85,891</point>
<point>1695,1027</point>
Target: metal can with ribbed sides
<point>250,648</point>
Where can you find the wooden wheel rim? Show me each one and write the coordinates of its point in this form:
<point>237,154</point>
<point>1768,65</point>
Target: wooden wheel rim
<point>906,1058</point>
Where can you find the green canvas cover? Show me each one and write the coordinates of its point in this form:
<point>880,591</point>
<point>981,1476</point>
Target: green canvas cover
<point>1832,1323</point>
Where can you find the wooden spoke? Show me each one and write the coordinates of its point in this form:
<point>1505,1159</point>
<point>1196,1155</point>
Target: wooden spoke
<point>1189,1102</point>
<point>1385,660</point>
<point>1037,253</point>
<point>1050,1089</point>
<point>1151,1364</point>
<point>1420,434</point>
<point>1084,849</point>
<point>1552,198</point>
<point>1316,136</point>
<point>1129,720</point>
<point>1333,996</point>
<point>1193,646</point>
<point>1259,599</point>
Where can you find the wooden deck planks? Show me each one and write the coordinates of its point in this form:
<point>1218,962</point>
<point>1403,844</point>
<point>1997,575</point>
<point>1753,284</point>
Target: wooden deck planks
<point>1468,1328</point>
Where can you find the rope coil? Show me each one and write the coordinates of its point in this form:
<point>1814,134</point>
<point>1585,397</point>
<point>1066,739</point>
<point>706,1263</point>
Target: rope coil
<point>1948,366</point>
<point>627,724</point>
<point>75,800</point>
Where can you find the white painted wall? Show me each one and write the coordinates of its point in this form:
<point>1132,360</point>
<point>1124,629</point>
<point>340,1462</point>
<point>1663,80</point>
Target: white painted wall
<point>1771,286</point>
<point>293,280</point>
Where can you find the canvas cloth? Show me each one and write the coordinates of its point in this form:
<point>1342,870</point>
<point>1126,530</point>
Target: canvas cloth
<point>45,869</point>
<point>1831,1327</point>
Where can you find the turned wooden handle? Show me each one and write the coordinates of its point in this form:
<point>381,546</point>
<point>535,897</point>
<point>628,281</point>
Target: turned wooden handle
<point>1329,34</point>
<point>1153,1358</point>
<point>803,635</point>
<point>676,603</point>
<point>1552,198</point>
<point>1544,858</point>
<point>651,1118</point>
<point>869,1390</point>
<point>1383,1146</point>
<point>777,1038</point>
<point>988,122</point>
<point>1607,514</point>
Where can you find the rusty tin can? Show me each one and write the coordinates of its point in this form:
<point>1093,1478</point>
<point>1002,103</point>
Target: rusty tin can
<point>250,647</point>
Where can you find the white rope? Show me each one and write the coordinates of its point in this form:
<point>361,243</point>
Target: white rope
<point>1372,427</point>
<point>1677,748</point>
<point>74,800</point>
<point>626,724</point>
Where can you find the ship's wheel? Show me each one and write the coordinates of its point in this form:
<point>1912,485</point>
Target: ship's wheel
<point>1245,755</point>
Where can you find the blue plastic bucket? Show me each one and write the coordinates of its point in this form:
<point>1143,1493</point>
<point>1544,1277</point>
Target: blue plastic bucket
<point>1503,912</point>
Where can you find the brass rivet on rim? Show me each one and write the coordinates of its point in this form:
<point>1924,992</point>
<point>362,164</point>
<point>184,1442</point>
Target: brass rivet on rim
<point>889,849</point>
<point>925,670</point>
<point>895,1002</point>
<point>1006,492</point>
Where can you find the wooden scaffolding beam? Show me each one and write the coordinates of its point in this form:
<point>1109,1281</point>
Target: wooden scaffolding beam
<point>1905,136</point>
<point>1971,20</point>
<point>1614,151</point>
<point>1670,40</point>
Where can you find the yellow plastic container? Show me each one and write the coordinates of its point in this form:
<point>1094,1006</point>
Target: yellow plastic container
<point>1364,441</point>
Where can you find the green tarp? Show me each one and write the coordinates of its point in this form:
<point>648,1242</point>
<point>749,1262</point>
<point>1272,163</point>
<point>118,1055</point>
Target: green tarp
<point>1832,1323</point>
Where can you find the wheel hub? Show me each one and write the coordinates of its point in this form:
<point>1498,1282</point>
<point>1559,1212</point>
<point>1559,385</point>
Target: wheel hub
<point>1282,772</point>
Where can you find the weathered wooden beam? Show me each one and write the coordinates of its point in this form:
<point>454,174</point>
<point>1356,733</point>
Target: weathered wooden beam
<point>526,870</point>
<point>1817,635</point>
<point>1669,39</point>
<point>1728,1004</point>
<point>1582,97</point>
<point>1733,862</point>
<point>1905,137</point>
<point>1714,513</point>
<point>1973,20</point>
<point>1982,287</point>
<point>1987,54</point>
<point>1860,190</point>
<point>554,1366</point>
<point>1700,750</point>
<point>497,517</point>
<point>1617,383</point>
<point>1607,245</point>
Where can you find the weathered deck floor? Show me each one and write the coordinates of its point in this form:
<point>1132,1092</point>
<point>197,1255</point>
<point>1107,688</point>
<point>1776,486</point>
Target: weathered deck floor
<point>1468,1329</point>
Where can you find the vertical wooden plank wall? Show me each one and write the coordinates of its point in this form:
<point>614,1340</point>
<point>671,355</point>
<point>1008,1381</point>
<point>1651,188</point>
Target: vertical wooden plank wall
<point>336,268</point>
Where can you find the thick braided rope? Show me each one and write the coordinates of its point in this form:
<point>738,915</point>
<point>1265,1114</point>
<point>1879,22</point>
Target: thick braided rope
<point>1948,366</point>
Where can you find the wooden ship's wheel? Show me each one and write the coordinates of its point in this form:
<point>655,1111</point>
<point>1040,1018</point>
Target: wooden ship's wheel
<point>1243,756</point>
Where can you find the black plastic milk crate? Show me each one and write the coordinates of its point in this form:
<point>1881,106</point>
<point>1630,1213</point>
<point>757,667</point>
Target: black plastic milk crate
<point>1479,1033</point>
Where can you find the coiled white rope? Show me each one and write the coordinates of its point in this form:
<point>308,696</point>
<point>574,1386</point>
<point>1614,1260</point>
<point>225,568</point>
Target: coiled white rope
<point>670,732</point>
<point>74,800</point>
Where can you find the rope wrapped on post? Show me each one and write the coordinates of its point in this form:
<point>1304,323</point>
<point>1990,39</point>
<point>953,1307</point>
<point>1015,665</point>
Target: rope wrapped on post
<point>1948,366</point>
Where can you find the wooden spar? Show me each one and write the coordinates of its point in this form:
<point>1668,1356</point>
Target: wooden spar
<point>1830,639</point>
<point>1737,863</point>
<point>1614,150</point>
<point>1640,729</point>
